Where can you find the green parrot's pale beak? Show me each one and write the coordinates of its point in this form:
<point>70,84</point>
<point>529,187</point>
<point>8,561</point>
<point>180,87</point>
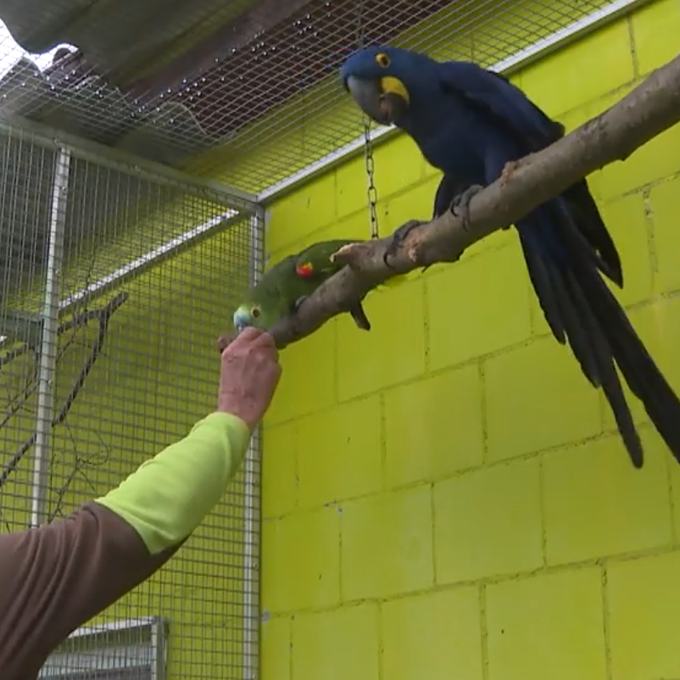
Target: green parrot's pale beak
<point>385,100</point>
<point>242,318</point>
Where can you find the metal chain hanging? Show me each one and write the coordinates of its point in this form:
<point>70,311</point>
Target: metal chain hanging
<point>372,191</point>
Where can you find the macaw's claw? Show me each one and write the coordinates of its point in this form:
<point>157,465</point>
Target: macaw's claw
<point>460,205</point>
<point>398,237</point>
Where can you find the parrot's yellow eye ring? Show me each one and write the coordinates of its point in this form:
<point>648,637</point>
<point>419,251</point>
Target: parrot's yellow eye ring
<point>383,60</point>
<point>255,312</point>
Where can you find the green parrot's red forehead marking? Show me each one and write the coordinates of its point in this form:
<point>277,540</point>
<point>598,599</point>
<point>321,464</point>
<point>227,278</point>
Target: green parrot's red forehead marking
<point>304,269</point>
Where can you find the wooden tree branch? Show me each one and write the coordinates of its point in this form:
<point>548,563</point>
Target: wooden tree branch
<point>651,108</point>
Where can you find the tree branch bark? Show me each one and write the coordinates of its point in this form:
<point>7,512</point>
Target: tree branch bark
<point>647,111</point>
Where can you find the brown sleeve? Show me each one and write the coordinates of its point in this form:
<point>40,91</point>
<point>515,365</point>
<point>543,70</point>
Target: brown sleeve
<point>55,578</point>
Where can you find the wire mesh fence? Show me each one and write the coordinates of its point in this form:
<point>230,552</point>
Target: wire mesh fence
<point>115,287</point>
<point>266,101</point>
<point>301,110</point>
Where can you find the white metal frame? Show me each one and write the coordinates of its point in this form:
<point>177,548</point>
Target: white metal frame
<point>251,535</point>
<point>118,159</point>
<point>155,658</point>
<point>48,345</point>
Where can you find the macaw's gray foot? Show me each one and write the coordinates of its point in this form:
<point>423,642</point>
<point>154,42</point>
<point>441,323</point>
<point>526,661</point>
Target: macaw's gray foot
<point>398,237</point>
<point>460,205</point>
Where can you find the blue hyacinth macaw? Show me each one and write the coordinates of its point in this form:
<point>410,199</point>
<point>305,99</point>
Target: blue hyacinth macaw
<point>470,123</point>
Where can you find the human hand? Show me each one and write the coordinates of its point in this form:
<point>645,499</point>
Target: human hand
<point>249,376</point>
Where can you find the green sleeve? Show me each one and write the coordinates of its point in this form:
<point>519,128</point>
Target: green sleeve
<point>168,496</point>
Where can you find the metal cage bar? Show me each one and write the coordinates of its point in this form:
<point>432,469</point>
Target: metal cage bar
<point>253,466</point>
<point>48,346</point>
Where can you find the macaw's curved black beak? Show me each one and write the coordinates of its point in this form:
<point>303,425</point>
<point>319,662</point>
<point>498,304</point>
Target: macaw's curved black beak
<point>385,100</point>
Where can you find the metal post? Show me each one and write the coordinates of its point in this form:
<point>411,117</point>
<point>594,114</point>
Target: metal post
<point>158,635</point>
<point>48,345</point>
<point>251,606</point>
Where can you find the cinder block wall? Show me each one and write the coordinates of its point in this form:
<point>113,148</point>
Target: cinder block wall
<point>445,497</point>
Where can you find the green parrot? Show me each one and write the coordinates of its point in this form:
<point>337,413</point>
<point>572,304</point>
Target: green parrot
<point>282,288</point>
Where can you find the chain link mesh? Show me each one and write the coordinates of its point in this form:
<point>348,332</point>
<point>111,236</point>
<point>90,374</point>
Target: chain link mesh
<point>307,61</point>
<point>267,100</point>
<point>132,365</point>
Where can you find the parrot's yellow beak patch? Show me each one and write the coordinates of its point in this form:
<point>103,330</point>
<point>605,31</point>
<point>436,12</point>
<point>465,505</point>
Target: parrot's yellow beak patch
<point>392,85</point>
<point>394,100</point>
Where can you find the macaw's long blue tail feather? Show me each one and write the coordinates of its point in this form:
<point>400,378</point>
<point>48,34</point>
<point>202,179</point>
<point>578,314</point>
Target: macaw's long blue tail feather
<point>583,210</point>
<point>581,309</point>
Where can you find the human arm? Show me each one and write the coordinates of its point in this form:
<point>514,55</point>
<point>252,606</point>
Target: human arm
<point>168,496</point>
<point>58,576</point>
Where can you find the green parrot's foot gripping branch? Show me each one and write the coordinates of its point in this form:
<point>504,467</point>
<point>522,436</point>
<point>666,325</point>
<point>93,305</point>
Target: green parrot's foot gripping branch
<point>644,113</point>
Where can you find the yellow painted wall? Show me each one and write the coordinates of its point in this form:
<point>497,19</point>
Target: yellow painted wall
<point>445,496</point>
